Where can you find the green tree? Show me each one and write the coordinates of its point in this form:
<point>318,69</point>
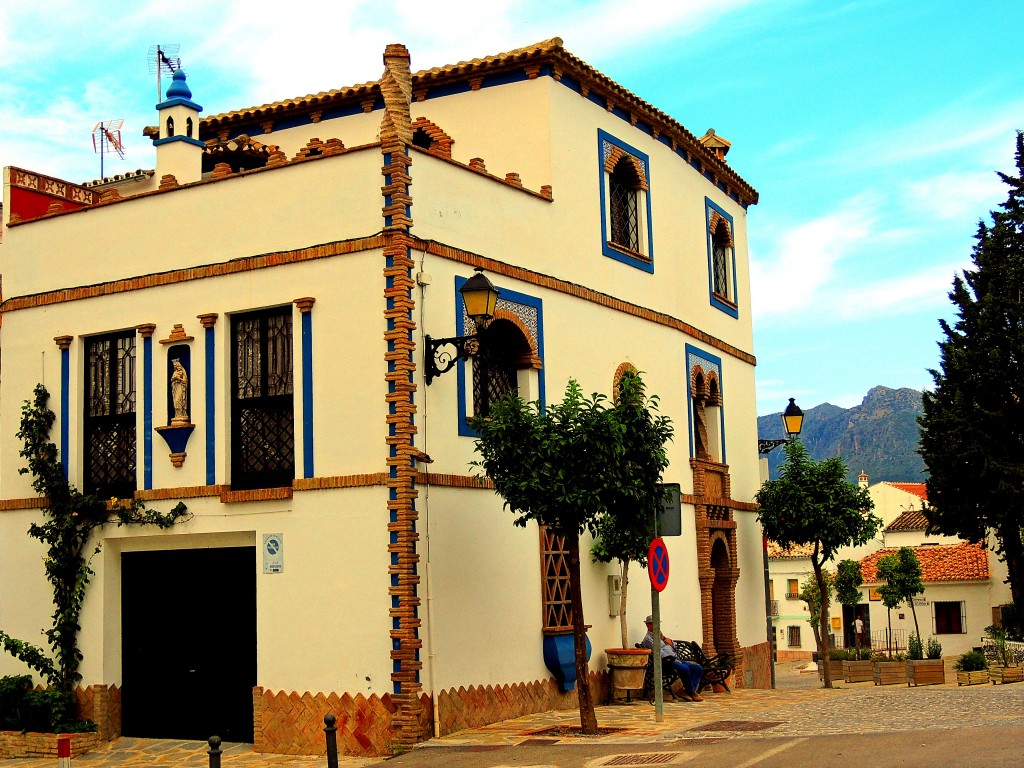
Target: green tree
<point>972,428</point>
<point>811,595</point>
<point>625,531</point>
<point>556,466</point>
<point>848,582</point>
<point>69,519</point>
<point>901,577</point>
<point>812,504</point>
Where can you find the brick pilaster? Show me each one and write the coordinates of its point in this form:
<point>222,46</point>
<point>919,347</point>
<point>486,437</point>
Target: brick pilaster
<point>395,136</point>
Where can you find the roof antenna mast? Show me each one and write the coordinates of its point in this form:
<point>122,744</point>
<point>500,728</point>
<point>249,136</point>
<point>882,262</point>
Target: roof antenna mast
<point>106,138</point>
<point>163,58</point>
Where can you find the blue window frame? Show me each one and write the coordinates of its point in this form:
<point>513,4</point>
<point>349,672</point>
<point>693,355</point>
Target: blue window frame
<point>721,243</point>
<point>624,183</point>
<point>705,407</point>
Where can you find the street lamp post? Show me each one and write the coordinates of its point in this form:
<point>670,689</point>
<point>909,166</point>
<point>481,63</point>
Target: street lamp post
<point>792,423</point>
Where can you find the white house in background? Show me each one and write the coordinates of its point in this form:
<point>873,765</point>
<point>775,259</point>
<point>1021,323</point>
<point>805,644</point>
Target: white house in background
<point>294,259</point>
<point>964,583</point>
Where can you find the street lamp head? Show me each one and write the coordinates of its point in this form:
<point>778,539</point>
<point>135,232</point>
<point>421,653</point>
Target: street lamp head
<point>480,297</point>
<point>792,419</point>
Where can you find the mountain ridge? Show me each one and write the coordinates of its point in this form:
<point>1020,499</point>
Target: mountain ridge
<point>879,437</point>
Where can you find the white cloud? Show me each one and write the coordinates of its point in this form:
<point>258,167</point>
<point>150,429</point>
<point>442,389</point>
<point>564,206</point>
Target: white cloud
<point>905,294</point>
<point>806,257</point>
<point>954,196</point>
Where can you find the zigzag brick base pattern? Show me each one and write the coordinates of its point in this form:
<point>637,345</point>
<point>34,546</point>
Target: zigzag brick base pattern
<point>293,723</point>
<point>102,705</point>
<point>458,709</point>
<point>17,744</point>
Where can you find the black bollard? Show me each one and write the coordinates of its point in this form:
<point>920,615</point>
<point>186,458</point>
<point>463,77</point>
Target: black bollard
<point>332,741</point>
<point>215,751</point>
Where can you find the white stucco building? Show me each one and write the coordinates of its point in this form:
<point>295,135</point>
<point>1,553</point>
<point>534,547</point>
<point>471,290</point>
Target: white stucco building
<point>292,258</point>
<point>964,583</point>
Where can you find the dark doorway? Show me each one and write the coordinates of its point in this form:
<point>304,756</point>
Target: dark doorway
<point>850,614</point>
<point>188,643</point>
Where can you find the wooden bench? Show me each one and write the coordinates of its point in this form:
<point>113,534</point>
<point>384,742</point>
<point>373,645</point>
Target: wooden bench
<point>717,668</point>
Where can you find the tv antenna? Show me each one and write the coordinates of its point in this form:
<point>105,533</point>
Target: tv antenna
<point>106,138</point>
<point>163,58</point>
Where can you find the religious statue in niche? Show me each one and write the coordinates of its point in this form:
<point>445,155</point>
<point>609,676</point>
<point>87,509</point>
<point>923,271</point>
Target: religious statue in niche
<point>179,393</point>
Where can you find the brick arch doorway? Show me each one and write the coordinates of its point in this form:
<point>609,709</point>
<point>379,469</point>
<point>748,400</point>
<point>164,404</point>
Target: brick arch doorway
<point>723,608</point>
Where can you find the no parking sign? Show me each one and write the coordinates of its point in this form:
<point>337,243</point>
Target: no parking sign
<point>657,565</point>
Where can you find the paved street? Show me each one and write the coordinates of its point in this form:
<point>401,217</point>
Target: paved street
<point>860,724</point>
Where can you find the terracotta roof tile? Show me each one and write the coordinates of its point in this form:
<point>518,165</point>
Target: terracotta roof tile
<point>777,552</point>
<point>959,562</point>
<point>918,489</point>
<point>911,520</point>
<point>545,52</point>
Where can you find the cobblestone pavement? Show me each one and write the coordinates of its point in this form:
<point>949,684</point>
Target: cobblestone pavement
<point>799,707</point>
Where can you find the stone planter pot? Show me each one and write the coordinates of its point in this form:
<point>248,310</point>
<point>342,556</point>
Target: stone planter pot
<point>926,672</point>
<point>858,671</point>
<point>1000,675</point>
<point>889,672</point>
<point>972,678</point>
<point>628,666</point>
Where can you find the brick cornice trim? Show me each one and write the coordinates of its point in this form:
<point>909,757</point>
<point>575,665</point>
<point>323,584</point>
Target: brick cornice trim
<point>185,492</point>
<point>581,292</point>
<point>743,506</point>
<point>442,480</point>
<point>480,170</point>
<point>11,505</point>
<point>235,266</point>
<point>256,494</point>
<point>340,481</point>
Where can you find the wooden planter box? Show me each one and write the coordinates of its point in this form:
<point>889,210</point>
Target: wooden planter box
<point>1000,675</point>
<point>858,671</point>
<point>835,668</point>
<point>926,672</point>
<point>972,678</point>
<point>889,672</point>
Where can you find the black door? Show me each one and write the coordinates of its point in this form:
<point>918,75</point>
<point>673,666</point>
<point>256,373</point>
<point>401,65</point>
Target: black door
<point>188,643</point>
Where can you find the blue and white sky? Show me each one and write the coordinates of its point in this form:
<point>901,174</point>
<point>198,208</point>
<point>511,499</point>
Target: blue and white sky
<point>872,129</point>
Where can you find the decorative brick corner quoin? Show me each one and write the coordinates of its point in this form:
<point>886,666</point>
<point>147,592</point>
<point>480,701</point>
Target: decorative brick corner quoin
<point>408,721</point>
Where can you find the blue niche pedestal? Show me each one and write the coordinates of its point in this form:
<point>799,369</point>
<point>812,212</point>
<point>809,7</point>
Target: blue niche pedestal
<point>176,437</point>
<point>560,658</point>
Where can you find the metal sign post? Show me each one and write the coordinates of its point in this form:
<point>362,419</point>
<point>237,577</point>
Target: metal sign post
<point>657,569</point>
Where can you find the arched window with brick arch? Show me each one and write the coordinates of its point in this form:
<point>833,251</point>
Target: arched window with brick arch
<point>625,203</point>
<point>504,357</point>
<point>721,241</point>
<point>706,407</point>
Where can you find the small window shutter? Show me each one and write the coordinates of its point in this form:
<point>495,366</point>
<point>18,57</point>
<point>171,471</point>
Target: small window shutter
<point>935,628</point>
<point>963,618</point>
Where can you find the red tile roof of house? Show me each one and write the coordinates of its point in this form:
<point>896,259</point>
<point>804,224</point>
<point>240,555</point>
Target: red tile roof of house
<point>918,489</point>
<point>959,562</point>
<point>911,520</point>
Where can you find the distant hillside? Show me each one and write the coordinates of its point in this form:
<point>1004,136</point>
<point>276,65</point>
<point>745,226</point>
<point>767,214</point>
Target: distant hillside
<point>879,436</point>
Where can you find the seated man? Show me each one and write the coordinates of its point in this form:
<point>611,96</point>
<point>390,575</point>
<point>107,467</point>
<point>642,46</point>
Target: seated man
<point>689,673</point>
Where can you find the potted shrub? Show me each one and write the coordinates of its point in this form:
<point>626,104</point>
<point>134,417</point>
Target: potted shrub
<point>889,670</point>
<point>971,668</point>
<point>1004,670</point>
<point>921,670</point>
<point>859,667</point>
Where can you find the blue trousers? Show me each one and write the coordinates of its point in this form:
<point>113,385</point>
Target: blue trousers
<point>689,673</point>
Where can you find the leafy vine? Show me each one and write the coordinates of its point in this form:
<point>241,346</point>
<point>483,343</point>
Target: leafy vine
<point>69,519</point>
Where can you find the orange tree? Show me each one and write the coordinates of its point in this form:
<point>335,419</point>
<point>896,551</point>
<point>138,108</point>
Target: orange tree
<point>567,467</point>
<point>812,504</point>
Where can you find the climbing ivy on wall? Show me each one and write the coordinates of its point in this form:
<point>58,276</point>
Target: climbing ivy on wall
<point>69,519</point>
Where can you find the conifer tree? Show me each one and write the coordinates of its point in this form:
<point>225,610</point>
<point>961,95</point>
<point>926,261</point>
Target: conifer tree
<point>972,428</point>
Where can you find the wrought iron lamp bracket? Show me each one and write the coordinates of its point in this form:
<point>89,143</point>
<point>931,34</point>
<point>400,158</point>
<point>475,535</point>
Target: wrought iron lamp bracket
<point>767,446</point>
<point>440,359</point>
